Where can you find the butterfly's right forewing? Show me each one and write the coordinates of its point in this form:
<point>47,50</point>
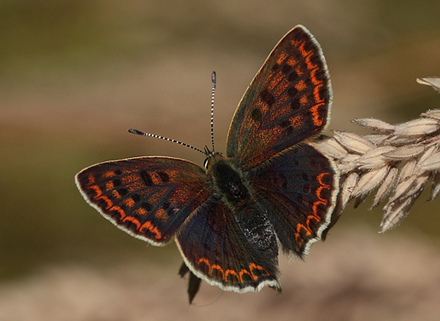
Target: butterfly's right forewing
<point>148,197</point>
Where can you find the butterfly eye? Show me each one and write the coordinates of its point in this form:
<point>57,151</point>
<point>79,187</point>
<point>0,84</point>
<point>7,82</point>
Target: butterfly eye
<point>206,162</point>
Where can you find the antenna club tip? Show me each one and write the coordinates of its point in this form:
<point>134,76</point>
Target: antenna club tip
<point>135,131</point>
<point>214,78</point>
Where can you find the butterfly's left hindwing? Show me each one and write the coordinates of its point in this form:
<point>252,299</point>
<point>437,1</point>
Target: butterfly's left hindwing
<point>148,197</point>
<point>298,189</point>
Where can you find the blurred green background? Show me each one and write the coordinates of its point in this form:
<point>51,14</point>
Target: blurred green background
<point>75,75</point>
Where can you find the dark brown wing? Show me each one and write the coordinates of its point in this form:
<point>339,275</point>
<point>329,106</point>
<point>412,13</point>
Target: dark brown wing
<point>288,101</point>
<point>147,197</point>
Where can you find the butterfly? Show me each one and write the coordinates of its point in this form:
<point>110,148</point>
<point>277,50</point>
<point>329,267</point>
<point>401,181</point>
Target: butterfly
<point>273,191</point>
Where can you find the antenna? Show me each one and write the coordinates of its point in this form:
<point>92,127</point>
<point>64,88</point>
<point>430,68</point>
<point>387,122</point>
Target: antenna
<point>206,152</point>
<point>214,83</point>
<point>138,132</point>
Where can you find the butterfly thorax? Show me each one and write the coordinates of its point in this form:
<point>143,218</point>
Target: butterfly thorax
<point>227,179</point>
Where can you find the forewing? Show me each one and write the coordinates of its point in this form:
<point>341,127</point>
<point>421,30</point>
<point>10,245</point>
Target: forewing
<point>147,197</point>
<point>298,188</point>
<point>217,248</point>
<point>288,101</point>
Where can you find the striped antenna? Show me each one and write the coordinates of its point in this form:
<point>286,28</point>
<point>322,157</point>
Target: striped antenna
<point>206,152</point>
<point>214,83</point>
<point>138,132</point>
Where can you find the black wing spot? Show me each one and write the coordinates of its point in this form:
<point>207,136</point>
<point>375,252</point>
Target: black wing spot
<point>136,197</point>
<point>147,178</point>
<point>295,104</point>
<point>123,191</point>
<point>285,123</point>
<point>147,206</point>
<point>292,91</point>
<point>267,97</point>
<point>292,76</point>
<point>256,114</point>
<point>164,177</point>
<point>286,69</point>
<point>166,205</point>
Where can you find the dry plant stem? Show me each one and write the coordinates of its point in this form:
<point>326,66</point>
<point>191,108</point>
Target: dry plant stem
<point>397,161</point>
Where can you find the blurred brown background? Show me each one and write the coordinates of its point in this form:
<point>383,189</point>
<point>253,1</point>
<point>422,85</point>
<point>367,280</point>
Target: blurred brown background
<point>75,75</point>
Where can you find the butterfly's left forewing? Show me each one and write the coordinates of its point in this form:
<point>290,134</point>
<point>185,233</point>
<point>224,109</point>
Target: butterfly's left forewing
<point>148,197</point>
<point>288,101</point>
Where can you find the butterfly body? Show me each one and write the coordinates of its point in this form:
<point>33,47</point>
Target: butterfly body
<point>273,190</point>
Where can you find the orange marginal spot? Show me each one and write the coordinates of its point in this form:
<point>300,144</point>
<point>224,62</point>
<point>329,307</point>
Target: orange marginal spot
<point>133,220</point>
<point>151,228</point>
<point>100,196</point>
<point>243,272</point>
<point>281,58</point>
<point>109,185</point>
<point>218,268</point>
<point>116,209</point>
<point>299,228</point>
<point>315,80</point>
<point>303,100</point>
<point>301,85</point>
<point>109,174</point>
<point>141,211</point>
<point>299,71</point>
<point>129,202</point>
<point>310,66</point>
<point>254,266</point>
<point>309,220</point>
<point>239,276</point>
<point>318,194</point>
<point>318,98</point>
<point>203,260</point>
<point>231,272</point>
<point>317,120</point>
<point>291,61</point>
<point>161,214</point>
<point>110,207</point>
<point>97,190</point>
<point>302,51</point>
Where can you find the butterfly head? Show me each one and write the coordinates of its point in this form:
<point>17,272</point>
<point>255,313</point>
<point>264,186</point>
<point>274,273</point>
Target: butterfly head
<point>211,158</point>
